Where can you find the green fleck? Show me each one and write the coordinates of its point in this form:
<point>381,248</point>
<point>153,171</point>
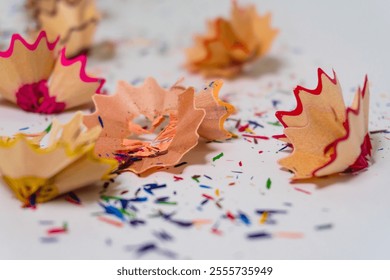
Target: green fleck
<point>195,178</point>
<point>107,198</point>
<point>127,213</point>
<point>217,156</point>
<point>47,130</point>
<point>275,123</point>
<point>269,182</point>
<point>167,202</point>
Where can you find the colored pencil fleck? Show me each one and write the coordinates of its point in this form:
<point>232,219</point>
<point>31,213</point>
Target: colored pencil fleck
<point>269,183</point>
<point>137,222</point>
<point>271,211</point>
<point>180,164</point>
<point>302,190</point>
<point>256,136</point>
<point>230,216</point>
<point>73,198</point>
<point>48,240</point>
<point>259,235</point>
<point>263,217</point>
<point>111,210</point>
<point>324,226</point>
<point>244,218</point>
<point>58,230</point>
<point>196,178</point>
<point>167,202</point>
<point>217,156</point>
<point>216,231</point>
<point>207,196</point>
<point>275,103</point>
<point>275,123</point>
<point>163,235</point>
<point>290,235</point>
<point>110,221</point>
<point>101,122</point>
<point>177,178</point>
<point>255,124</point>
<point>284,147</point>
<point>48,129</point>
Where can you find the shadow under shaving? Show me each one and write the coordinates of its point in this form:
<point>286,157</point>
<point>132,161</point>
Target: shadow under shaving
<point>7,104</point>
<point>89,107</point>
<point>263,66</point>
<point>196,156</point>
<point>327,181</point>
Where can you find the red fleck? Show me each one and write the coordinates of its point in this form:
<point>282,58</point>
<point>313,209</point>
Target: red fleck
<point>260,114</point>
<point>256,136</point>
<point>243,127</point>
<point>216,231</point>
<point>230,216</point>
<point>72,201</point>
<point>301,190</point>
<point>57,230</point>
<point>207,196</point>
<point>177,178</point>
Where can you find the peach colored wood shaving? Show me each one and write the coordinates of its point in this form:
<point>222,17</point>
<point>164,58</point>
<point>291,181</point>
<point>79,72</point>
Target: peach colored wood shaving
<point>121,137</point>
<point>327,138</point>
<point>230,43</point>
<point>74,22</point>
<point>217,111</point>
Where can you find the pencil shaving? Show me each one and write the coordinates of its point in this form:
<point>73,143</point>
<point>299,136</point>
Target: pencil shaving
<point>231,43</point>
<point>66,164</point>
<point>141,147</point>
<point>217,111</point>
<point>39,80</point>
<point>344,146</point>
<point>74,22</point>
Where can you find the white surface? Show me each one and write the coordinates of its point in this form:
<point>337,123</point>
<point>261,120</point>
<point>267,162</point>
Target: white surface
<point>348,36</point>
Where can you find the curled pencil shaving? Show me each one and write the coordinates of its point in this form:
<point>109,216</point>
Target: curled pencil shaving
<point>230,43</point>
<point>74,22</point>
<point>65,164</point>
<point>134,144</point>
<point>344,146</point>
<point>36,7</point>
<point>217,111</point>
<point>38,80</point>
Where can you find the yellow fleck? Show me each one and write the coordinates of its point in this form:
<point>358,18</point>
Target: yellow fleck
<point>263,217</point>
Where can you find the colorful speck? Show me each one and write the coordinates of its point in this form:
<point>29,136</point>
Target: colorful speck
<point>217,156</point>
<point>101,121</point>
<point>268,184</point>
